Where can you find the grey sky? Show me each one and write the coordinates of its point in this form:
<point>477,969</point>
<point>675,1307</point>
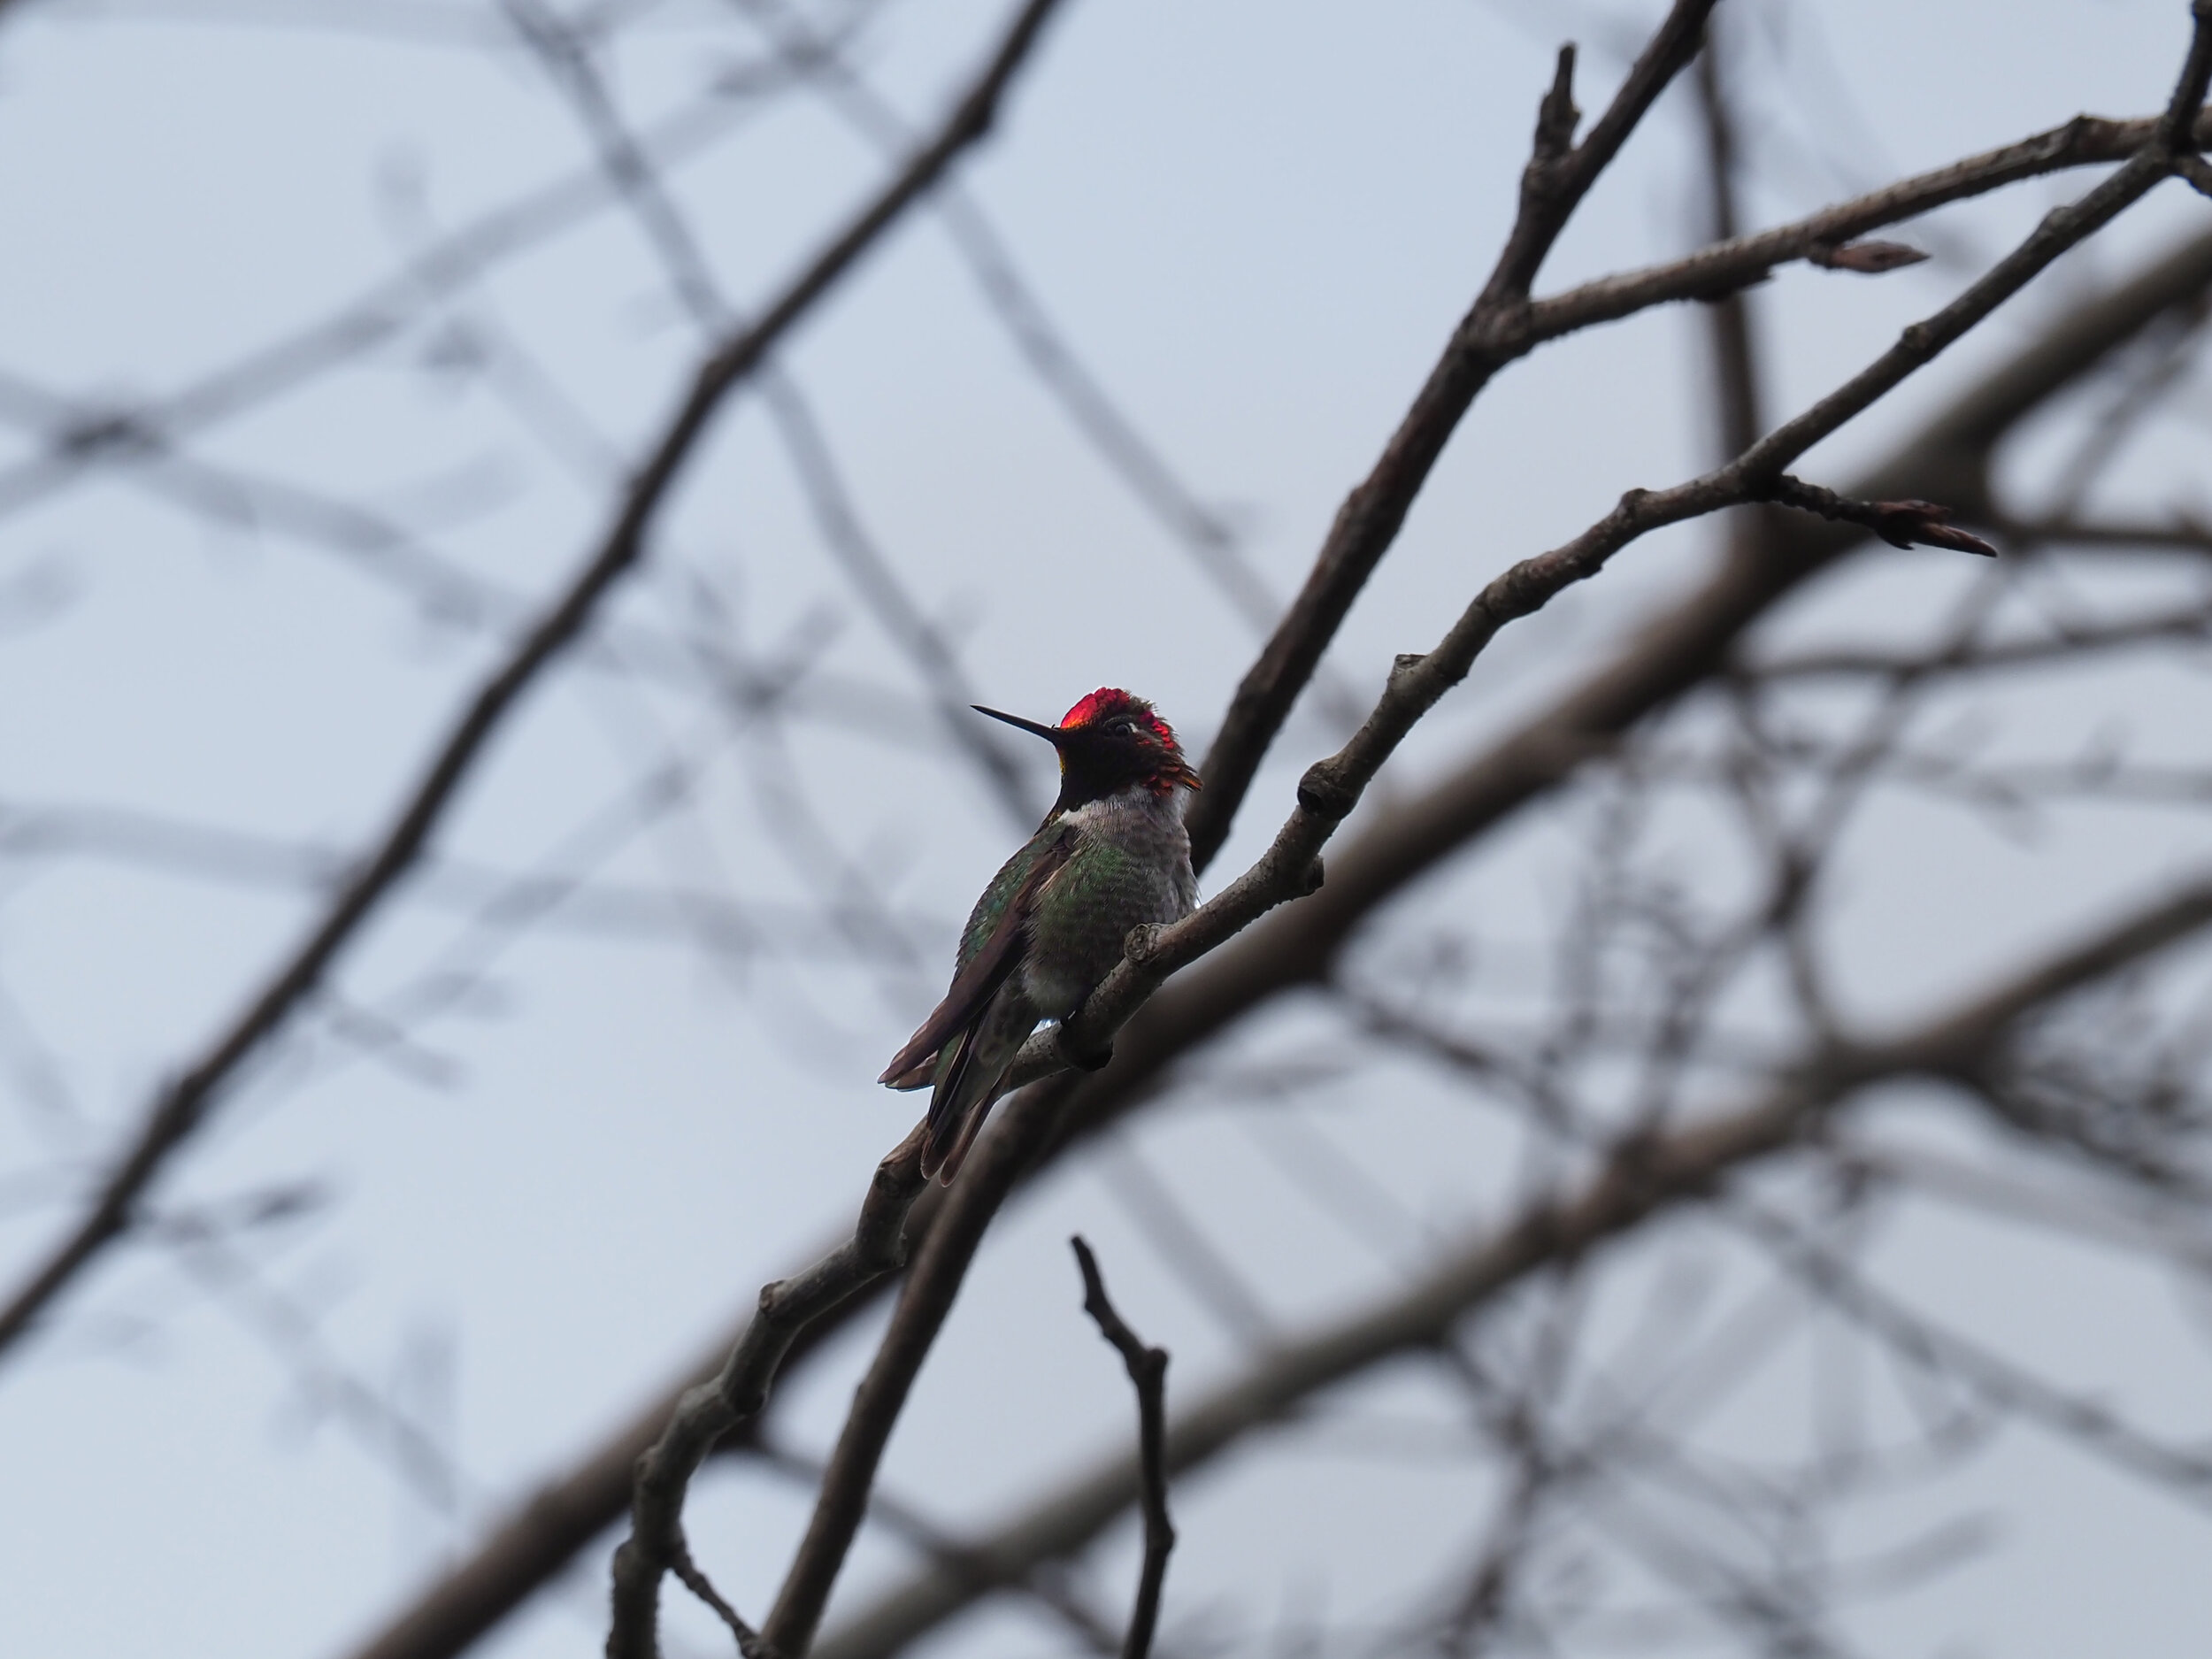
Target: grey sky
<point>1257,222</point>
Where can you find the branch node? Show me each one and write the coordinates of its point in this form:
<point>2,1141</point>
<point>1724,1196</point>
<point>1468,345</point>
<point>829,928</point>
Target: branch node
<point>1311,882</point>
<point>1142,942</point>
<point>1322,793</point>
<point>1097,1061</point>
<point>1403,667</point>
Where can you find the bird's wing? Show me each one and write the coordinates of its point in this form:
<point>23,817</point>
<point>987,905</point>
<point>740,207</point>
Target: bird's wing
<point>981,975</point>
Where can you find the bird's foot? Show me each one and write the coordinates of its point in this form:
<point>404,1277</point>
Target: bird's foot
<point>1095,1061</point>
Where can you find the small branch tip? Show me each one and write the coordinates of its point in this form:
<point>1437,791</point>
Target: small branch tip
<point>1903,524</point>
<point>1557,116</point>
<point>1147,1372</point>
<point>1868,258</point>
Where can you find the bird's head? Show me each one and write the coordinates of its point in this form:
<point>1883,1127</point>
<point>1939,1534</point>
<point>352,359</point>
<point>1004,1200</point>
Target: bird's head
<point>1109,742</point>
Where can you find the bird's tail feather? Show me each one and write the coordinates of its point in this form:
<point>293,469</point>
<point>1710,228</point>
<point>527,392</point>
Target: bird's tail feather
<point>969,1080</point>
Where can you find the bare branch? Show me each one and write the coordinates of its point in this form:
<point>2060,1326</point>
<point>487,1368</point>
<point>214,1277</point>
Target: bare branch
<point>901,1520</point>
<point>1868,258</point>
<point>2176,128</point>
<point>2012,1389</point>
<point>1493,335</point>
<point>835,513</point>
<point>940,1266</point>
<point>1640,1177</point>
<point>740,1389</point>
<point>81,436</point>
<point>1552,186</point>
<point>1823,238</point>
<point>2189,626</point>
<point>1331,789</point>
<point>1291,866</point>
<point>1209,538</point>
<point>1683,647</point>
<point>1903,524</point>
<point>183,1105</point>
<point>1738,400</point>
<point>1147,1372</point>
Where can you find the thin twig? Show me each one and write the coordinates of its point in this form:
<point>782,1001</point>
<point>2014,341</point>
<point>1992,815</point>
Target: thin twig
<point>1553,185</point>
<point>687,1571</point>
<point>1739,406</point>
<point>1503,326</point>
<point>737,1392</point>
<point>940,1266</point>
<point>1830,238</point>
<point>1147,1372</point>
<point>1903,524</point>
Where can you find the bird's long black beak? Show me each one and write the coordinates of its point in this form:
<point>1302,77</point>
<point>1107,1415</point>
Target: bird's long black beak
<point>1051,734</point>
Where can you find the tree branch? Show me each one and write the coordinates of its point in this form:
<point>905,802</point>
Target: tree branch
<point>1830,238</point>
<point>1682,648</point>
<point>1327,793</point>
<point>1147,1372</point>
<point>940,1266</point>
<point>1552,186</point>
<point>1640,1177</point>
<point>1487,341</point>
<point>737,1392</point>
<point>1903,524</point>
<point>183,1105</point>
<point>1738,407</point>
<point>1331,789</point>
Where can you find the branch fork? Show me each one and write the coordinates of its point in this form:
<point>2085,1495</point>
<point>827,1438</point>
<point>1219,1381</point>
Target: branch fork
<point>1556,179</point>
<point>1147,1372</point>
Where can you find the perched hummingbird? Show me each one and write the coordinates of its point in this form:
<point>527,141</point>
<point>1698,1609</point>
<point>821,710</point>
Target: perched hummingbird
<point>1110,855</point>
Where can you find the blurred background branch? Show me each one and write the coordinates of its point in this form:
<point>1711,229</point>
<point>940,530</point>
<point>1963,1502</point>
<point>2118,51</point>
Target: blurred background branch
<point>1578,1225</point>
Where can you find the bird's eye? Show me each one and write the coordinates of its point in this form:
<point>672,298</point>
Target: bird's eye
<point>1124,727</point>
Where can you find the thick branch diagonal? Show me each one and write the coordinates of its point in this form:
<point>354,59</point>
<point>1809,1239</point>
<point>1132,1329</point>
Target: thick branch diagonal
<point>1681,649</point>
<point>1331,789</point>
<point>1640,1177</point>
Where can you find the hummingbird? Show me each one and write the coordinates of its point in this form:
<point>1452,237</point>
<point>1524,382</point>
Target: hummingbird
<point>1112,854</point>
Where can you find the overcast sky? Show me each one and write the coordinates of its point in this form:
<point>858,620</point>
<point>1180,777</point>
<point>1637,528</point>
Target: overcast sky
<point>1257,222</point>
